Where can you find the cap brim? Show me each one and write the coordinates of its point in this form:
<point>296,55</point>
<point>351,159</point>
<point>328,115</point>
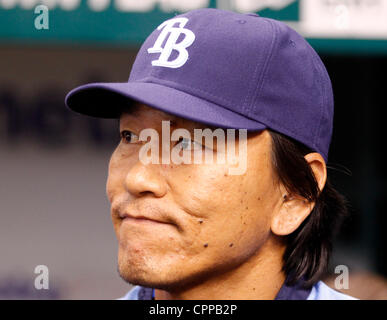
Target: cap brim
<point>107,100</point>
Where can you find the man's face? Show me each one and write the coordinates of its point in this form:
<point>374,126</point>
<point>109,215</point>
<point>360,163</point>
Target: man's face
<point>209,221</point>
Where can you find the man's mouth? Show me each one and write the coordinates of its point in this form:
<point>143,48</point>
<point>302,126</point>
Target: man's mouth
<point>132,218</point>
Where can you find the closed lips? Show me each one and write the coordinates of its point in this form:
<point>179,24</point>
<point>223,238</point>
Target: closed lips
<point>139,218</point>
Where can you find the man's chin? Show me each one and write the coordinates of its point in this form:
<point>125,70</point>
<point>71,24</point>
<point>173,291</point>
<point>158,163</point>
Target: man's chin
<point>159,281</point>
<point>144,279</point>
<point>147,283</point>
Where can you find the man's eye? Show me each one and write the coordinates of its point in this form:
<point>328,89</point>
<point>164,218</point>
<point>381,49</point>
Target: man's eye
<point>187,144</point>
<point>129,137</point>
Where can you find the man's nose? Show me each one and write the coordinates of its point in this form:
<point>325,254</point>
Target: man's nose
<point>145,178</point>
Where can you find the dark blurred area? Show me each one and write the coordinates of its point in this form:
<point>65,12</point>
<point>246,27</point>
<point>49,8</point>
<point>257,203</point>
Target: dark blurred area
<point>53,206</point>
<point>357,152</point>
<point>358,144</point>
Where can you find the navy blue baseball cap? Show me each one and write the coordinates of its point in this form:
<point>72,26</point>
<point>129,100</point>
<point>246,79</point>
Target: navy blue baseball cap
<point>228,70</point>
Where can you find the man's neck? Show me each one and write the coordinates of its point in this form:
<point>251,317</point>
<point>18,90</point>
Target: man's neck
<point>259,278</point>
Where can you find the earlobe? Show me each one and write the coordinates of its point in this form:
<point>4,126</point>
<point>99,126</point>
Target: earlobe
<point>294,210</point>
<point>290,216</point>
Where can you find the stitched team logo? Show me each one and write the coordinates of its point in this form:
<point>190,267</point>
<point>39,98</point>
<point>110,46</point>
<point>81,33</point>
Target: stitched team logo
<point>173,33</point>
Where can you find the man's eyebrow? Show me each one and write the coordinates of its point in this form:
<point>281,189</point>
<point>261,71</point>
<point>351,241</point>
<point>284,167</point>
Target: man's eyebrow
<point>131,108</point>
<point>173,122</point>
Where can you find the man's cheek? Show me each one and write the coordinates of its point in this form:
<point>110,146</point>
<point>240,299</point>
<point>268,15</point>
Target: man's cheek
<point>113,184</point>
<point>116,226</point>
<point>205,200</point>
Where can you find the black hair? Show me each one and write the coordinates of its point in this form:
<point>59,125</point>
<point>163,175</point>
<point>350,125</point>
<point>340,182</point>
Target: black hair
<point>308,248</point>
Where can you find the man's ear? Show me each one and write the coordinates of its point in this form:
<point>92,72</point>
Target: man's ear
<point>294,209</point>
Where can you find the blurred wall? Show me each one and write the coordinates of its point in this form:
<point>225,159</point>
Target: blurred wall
<point>53,206</point>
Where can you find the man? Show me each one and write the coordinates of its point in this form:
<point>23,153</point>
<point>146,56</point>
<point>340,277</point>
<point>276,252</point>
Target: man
<point>193,229</point>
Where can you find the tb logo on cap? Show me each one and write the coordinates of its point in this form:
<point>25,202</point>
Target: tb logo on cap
<point>170,45</point>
